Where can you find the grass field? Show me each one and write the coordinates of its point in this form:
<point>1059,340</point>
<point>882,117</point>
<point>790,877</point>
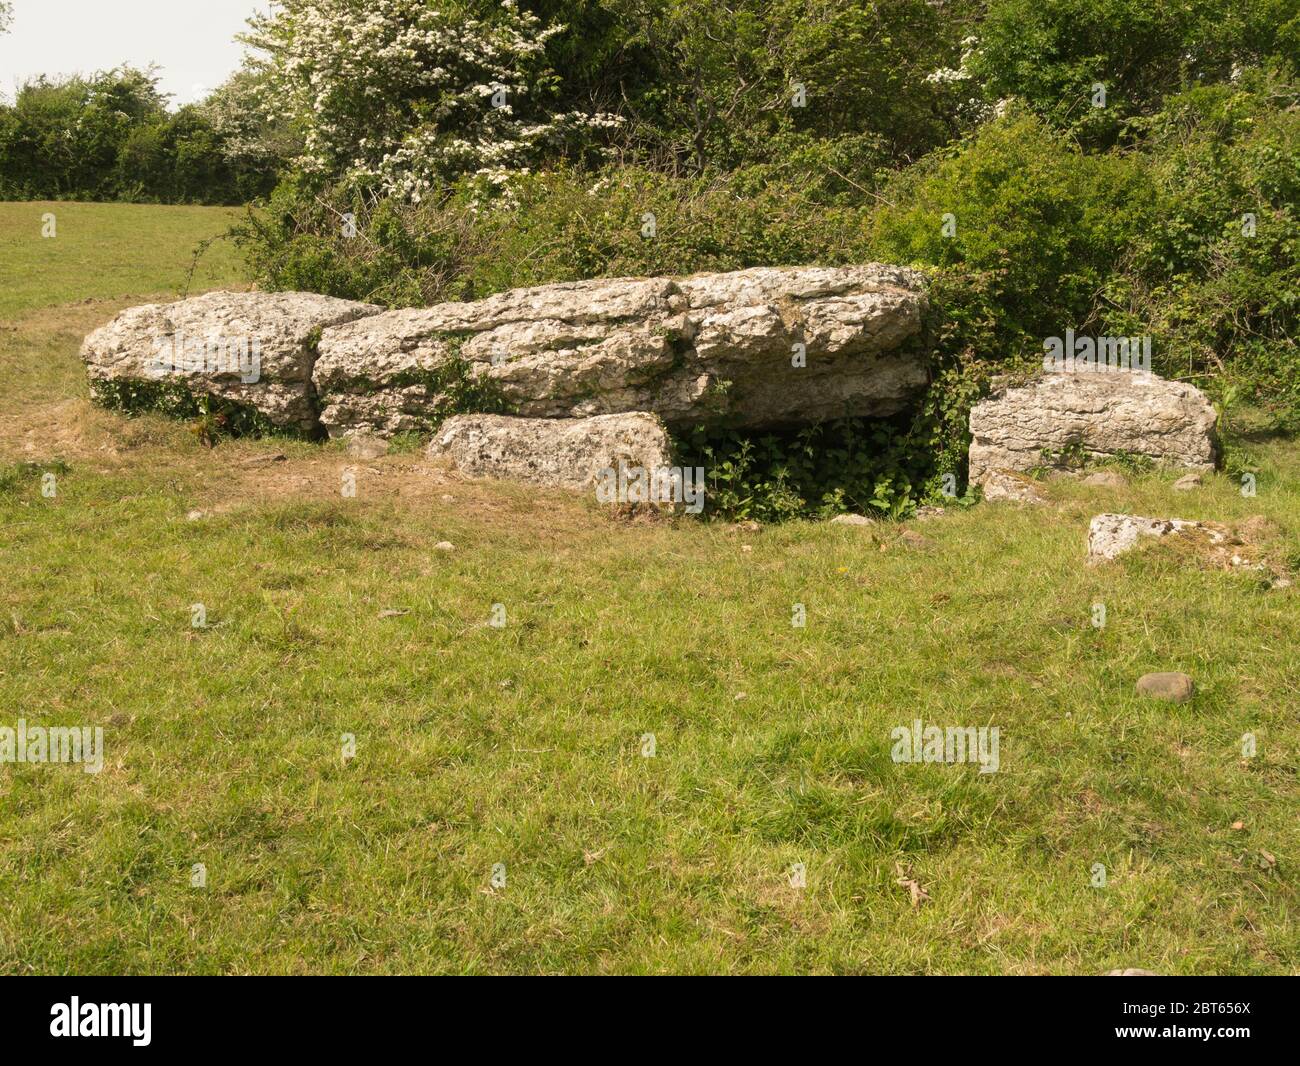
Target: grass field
<point>522,745</point>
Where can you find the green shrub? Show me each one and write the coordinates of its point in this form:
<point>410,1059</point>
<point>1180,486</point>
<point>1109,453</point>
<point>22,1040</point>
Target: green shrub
<point>558,226</point>
<point>860,465</point>
<point>1051,55</point>
<point>1045,223</point>
<point>110,137</point>
<point>1219,290</point>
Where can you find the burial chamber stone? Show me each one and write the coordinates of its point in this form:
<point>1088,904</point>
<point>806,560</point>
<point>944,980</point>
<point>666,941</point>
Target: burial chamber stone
<point>567,452</point>
<point>1101,412</point>
<point>252,348</point>
<point>759,347</point>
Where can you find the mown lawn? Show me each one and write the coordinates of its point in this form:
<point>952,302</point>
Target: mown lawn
<point>522,745</point>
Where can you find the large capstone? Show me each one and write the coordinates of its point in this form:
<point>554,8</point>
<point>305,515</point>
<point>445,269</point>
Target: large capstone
<point>760,347</point>
<point>1099,413</point>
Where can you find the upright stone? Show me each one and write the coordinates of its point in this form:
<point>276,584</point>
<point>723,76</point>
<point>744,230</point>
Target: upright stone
<point>1100,413</point>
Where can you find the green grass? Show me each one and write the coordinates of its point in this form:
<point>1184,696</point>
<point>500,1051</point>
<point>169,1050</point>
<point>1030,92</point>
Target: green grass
<point>108,251</point>
<point>522,745</point>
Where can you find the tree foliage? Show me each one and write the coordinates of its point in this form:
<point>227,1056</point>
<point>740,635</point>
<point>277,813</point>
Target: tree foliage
<point>110,136</point>
<point>406,95</point>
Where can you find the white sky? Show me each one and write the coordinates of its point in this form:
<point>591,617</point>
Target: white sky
<point>191,41</point>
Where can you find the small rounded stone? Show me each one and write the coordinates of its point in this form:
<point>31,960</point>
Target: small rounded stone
<point>1170,686</point>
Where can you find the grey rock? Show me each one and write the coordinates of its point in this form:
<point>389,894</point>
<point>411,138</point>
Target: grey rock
<point>366,446</point>
<point>1103,413</point>
<point>252,348</point>
<point>690,350</point>
<point>1188,482</point>
<point>1169,686</point>
<point>1132,971</point>
<point>564,452</point>
<point>1013,487</point>
<point>1110,535</point>
<point>852,520</point>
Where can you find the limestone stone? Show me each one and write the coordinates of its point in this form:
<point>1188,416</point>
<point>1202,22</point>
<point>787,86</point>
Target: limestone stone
<point>566,452</point>
<point>1101,413</point>
<point>1110,535</point>
<point>1013,487</point>
<point>1169,686</point>
<point>691,350</point>
<point>252,348</point>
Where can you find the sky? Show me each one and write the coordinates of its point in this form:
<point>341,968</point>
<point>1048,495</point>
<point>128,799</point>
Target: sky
<point>191,41</point>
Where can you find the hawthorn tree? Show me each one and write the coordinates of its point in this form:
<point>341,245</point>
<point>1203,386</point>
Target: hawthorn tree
<point>406,96</point>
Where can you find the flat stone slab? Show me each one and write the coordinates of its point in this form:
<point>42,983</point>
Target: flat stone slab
<point>1170,686</point>
<point>691,350</point>
<point>566,452</point>
<point>1111,535</point>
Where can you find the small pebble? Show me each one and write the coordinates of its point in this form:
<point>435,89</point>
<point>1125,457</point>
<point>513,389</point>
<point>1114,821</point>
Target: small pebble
<point>1170,686</point>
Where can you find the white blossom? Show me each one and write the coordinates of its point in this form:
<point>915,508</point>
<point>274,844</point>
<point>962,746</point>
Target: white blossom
<point>403,94</point>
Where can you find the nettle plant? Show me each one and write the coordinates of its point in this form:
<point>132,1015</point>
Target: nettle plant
<point>405,96</point>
